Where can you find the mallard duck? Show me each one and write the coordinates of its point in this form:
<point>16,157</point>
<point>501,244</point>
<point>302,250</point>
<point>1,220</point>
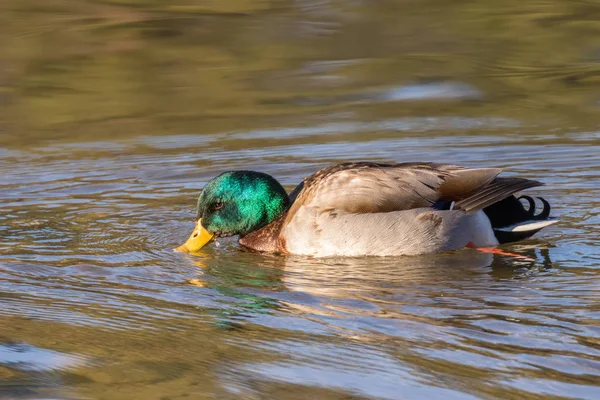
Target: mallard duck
<point>368,209</point>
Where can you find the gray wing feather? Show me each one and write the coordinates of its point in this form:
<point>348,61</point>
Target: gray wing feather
<point>498,190</point>
<point>372,188</point>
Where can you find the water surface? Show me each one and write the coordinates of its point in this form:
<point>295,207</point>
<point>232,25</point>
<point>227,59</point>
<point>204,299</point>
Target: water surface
<point>116,113</point>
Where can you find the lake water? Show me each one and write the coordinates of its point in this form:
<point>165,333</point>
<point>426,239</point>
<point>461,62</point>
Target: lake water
<point>114,114</point>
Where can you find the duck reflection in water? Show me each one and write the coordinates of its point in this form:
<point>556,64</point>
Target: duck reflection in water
<point>369,285</point>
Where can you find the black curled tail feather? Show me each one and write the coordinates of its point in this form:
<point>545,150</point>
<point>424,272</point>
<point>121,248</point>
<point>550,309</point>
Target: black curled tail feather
<point>545,212</point>
<point>511,211</point>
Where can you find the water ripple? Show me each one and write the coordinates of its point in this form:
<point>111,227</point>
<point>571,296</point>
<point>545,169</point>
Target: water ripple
<point>86,251</point>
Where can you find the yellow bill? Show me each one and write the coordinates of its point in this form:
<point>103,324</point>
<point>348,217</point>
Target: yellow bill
<point>199,238</point>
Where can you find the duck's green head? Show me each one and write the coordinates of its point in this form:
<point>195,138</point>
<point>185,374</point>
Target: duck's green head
<point>236,203</point>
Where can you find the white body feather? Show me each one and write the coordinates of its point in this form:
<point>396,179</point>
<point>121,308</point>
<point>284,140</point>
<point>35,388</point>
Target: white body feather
<point>325,233</point>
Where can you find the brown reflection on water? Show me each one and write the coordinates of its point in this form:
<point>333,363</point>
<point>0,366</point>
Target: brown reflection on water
<point>80,69</point>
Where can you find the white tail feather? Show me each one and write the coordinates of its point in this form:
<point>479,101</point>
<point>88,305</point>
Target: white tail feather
<point>531,225</point>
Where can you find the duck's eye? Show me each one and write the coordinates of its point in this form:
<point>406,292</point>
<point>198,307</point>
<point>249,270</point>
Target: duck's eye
<point>218,206</point>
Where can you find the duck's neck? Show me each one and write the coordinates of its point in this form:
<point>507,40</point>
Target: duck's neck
<point>266,239</point>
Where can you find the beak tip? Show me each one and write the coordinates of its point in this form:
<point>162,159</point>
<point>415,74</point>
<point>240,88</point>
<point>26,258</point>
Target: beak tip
<point>200,237</point>
<point>181,249</point>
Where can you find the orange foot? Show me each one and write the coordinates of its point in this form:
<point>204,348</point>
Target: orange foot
<point>495,250</point>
